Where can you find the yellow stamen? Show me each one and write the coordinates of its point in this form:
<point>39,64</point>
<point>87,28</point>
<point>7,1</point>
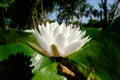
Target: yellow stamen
<point>55,50</point>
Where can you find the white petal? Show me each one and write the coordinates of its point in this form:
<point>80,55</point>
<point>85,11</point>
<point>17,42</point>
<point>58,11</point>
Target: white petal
<point>66,30</point>
<point>57,31</point>
<point>45,34</point>
<point>75,46</point>
<point>72,48</point>
<point>73,37</point>
<point>82,34</point>
<point>66,39</point>
<point>61,40</point>
<point>70,26</point>
<point>55,24</point>
<point>48,27</point>
<point>39,27</point>
<point>63,25</point>
<point>43,25</point>
<point>76,29</point>
<point>41,41</point>
<point>85,40</point>
<point>35,62</point>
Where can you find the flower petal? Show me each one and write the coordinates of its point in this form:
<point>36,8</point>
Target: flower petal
<point>72,48</point>
<point>39,49</point>
<point>73,37</point>
<point>57,31</point>
<point>82,34</point>
<point>61,40</point>
<point>41,40</point>
<point>48,27</point>
<point>65,38</point>
<point>85,40</point>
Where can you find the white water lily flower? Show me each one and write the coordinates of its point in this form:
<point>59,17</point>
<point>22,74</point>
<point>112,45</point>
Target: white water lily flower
<point>59,40</point>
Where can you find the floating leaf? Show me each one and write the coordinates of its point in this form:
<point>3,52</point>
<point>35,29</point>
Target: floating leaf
<point>14,48</point>
<point>48,72</point>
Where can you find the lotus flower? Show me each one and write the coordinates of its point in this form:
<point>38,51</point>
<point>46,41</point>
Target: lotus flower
<point>58,40</point>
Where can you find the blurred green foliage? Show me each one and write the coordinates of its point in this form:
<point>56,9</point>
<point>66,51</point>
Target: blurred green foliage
<point>48,72</point>
<point>92,32</point>
<point>15,36</point>
<point>14,48</point>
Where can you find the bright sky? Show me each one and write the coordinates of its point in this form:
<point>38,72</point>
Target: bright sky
<point>96,2</point>
<point>92,2</point>
<point>96,6</point>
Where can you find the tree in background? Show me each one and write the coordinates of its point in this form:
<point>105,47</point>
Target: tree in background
<point>20,13</point>
<point>69,9</point>
<point>42,8</point>
<point>81,10</point>
<point>91,12</point>
<point>66,9</point>
<point>104,5</point>
<point>108,15</point>
<point>104,15</point>
<point>4,5</point>
<point>115,10</point>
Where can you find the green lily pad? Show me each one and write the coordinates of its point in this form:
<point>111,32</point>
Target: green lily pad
<point>14,48</point>
<point>48,72</point>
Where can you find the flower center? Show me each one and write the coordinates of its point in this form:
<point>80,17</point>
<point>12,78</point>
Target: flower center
<point>55,50</point>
